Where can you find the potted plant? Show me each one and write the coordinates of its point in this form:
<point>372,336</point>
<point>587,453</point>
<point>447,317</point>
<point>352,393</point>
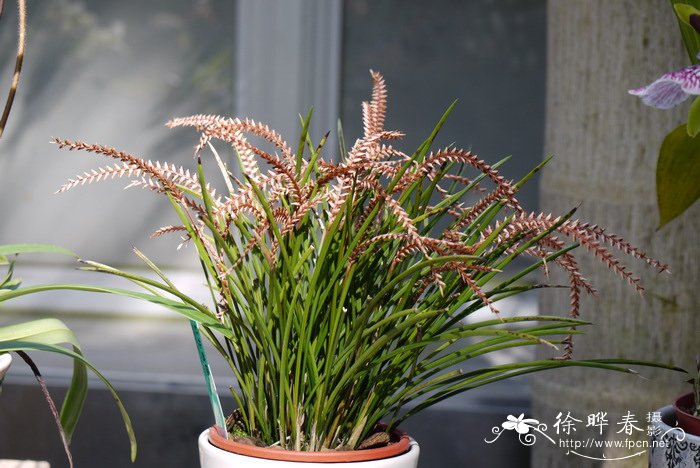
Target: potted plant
<point>341,291</point>
<point>677,167</point>
<point>676,430</point>
<point>687,406</point>
<point>49,335</point>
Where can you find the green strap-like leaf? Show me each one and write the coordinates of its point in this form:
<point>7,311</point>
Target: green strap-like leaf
<point>28,345</point>
<point>47,331</point>
<point>53,332</point>
<point>181,308</point>
<point>75,397</point>
<point>12,249</point>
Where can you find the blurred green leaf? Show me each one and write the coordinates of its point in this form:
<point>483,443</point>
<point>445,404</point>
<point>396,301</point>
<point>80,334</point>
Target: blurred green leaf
<point>690,37</point>
<point>50,335</point>
<point>53,332</point>
<point>677,174</point>
<point>694,118</point>
<point>20,345</point>
<point>683,11</point>
<point>46,331</point>
<point>11,249</point>
<point>11,284</point>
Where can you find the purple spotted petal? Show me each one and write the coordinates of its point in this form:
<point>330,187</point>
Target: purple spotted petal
<point>661,94</point>
<point>689,78</point>
<point>671,89</point>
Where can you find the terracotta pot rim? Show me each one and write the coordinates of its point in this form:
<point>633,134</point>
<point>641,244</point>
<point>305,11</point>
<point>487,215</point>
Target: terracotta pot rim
<point>397,448</point>
<point>688,422</point>
<point>680,401</point>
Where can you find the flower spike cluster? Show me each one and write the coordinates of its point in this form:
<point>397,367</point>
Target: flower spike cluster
<point>344,282</point>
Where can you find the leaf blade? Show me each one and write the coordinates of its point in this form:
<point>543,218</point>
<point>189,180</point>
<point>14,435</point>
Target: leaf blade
<point>677,174</point>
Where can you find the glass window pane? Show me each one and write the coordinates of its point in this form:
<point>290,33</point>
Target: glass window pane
<point>111,73</point>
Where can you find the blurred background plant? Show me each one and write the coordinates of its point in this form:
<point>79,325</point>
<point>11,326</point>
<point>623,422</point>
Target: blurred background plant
<point>678,166</point>
<point>21,43</point>
<point>49,335</point>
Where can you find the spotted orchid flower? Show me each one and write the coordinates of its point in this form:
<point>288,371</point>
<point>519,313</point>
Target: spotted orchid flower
<point>520,424</point>
<point>671,89</point>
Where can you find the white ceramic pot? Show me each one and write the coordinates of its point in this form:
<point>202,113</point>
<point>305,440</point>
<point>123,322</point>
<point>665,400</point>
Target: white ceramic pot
<point>5,361</point>
<point>214,457</point>
<point>670,446</point>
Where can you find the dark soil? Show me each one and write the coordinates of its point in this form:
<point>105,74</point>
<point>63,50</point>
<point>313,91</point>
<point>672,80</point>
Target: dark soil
<point>237,433</point>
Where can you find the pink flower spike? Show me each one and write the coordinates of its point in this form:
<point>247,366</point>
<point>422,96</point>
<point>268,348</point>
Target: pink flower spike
<point>671,89</point>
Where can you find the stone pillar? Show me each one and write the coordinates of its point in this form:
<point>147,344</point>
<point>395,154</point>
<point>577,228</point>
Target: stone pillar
<point>606,144</point>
